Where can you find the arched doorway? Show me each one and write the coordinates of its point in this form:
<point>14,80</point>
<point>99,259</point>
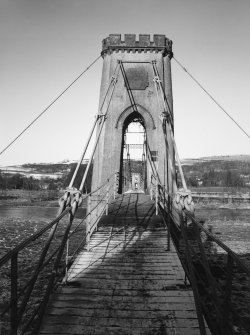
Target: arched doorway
<point>133,169</point>
<point>128,86</point>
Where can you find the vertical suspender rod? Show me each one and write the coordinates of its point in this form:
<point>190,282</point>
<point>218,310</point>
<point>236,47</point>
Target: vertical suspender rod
<point>103,118</point>
<point>167,114</point>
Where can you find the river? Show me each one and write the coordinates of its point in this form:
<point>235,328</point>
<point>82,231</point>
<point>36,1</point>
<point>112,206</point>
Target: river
<point>232,226</point>
<point>33,212</point>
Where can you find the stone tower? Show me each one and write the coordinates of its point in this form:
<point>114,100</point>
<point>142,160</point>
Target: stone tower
<point>136,57</point>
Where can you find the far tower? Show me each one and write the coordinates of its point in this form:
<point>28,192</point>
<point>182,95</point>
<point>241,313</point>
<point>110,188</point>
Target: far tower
<point>132,63</point>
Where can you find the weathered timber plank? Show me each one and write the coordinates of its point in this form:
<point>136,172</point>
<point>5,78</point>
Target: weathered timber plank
<point>149,284</point>
<point>130,294</point>
<point>128,284</point>
<point>125,326</point>
<point>128,273</point>
<point>58,307</point>
<point>125,331</point>
<point>76,318</point>
<point>151,301</point>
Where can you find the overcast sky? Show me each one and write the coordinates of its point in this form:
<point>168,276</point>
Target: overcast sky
<point>45,44</point>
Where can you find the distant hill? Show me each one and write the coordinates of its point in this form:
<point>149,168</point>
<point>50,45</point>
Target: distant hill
<point>225,171</point>
<point>50,176</point>
<point>239,158</point>
<point>40,170</point>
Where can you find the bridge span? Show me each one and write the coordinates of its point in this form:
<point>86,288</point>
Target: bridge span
<point>128,282</point>
<point>136,263</point>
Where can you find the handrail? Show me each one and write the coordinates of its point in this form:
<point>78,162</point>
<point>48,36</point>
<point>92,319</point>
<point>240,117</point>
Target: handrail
<point>32,238</point>
<point>102,116</point>
<point>21,297</point>
<point>105,183</point>
<point>211,236</point>
<point>220,313</point>
<point>222,245</point>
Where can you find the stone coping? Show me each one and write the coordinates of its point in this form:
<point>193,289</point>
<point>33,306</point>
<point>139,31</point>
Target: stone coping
<point>114,43</point>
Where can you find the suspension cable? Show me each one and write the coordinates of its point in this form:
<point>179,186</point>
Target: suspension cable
<point>211,97</point>
<point>83,153</point>
<point>103,119</point>
<point>52,103</point>
<point>97,118</point>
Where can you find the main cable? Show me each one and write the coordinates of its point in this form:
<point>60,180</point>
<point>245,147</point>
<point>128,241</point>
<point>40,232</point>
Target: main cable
<point>52,103</point>
<point>211,97</point>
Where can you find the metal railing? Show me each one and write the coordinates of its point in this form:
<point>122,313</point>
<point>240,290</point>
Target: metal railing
<point>30,279</point>
<point>212,268</point>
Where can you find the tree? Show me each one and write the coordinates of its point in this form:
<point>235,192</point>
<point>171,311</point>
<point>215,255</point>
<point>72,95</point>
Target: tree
<point>16,181</point>
<point>79,176</point>
<point>192,181</point>
<point>211,178</point>
<point>52,186</point>
<point>2,181</point>
<point>232,179</point>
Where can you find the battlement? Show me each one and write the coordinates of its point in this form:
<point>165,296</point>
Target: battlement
<point>114,43</point>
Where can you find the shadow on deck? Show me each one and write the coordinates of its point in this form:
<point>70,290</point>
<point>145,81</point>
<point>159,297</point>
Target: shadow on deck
<point>128,283</point>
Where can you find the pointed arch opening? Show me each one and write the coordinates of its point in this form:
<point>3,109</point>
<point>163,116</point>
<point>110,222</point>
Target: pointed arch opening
<point>133,154</point>
<point>148,120</point>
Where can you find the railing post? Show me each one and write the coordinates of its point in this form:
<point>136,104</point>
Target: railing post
<point>88,222</point>
<point>168,220</point>
<point>53,276</point>
<point>192,275</point>
<point>115,185</point>
<point>97,204</point>
<point>227,299</point>
<point>13,295</point>
<point>107,201</point>
<point>117,175</point>
<point>156,198</point>
<point>66,261</point>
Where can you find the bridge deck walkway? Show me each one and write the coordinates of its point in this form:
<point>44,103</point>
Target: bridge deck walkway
<point>128,283</point>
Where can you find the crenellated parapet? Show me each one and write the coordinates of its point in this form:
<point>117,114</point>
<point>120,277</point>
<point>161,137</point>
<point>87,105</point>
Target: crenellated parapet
<point>114,43</point>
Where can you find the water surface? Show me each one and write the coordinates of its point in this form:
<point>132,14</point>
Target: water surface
<point>33,212</point>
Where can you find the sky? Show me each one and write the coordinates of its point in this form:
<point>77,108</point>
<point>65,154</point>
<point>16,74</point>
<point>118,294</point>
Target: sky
<point>46,44</point>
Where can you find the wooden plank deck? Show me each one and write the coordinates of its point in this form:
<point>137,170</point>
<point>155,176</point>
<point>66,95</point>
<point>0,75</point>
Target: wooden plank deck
<point>128,283</point>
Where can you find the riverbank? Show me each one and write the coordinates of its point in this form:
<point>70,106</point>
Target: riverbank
<point>230,224</point>
<point>45,198</point>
